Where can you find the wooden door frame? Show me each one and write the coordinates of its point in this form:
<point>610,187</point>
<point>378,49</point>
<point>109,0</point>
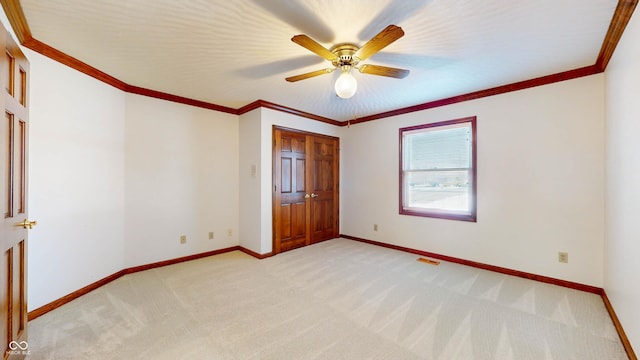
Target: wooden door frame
<point>274,179</point>
<point>14,222</point>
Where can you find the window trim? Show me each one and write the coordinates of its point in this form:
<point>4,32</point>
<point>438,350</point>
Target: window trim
<point>443,214</point>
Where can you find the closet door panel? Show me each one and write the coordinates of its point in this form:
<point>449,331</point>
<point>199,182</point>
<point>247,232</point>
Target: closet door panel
<point>325,192</point>
<point>290,214</point>
<point>305,201</point>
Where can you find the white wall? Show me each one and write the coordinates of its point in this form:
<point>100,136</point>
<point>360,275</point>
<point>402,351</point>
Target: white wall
<point>622,268</point>
<point>116,178</point>
<point>540,182</point>
<point>76,183</point>
<point>181,178</point>
<point>250,129</point>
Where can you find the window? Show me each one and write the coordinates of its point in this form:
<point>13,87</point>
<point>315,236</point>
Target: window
<point>438,170</point>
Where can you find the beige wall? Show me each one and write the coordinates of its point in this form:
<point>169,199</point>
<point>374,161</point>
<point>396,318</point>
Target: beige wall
<point>622,268</point>
<point>540,182</point>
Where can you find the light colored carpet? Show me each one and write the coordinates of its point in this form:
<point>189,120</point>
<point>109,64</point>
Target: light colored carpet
<point>339,299</point>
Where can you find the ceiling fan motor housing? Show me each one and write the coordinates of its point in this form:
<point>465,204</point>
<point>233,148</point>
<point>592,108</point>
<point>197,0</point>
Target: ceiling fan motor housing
<point>344,53</point>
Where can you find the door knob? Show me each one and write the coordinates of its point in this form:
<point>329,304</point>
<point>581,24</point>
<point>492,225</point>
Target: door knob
<point>26,224</point>
<point>314,195</point>
<point>306,196</point>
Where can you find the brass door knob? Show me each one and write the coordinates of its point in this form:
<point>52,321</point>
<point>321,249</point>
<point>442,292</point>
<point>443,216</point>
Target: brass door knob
<point>26,224</point>
<point>314,195</point>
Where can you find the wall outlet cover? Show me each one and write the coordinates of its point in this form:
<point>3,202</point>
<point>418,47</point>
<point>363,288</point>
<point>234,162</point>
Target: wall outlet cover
<point>563,257</point>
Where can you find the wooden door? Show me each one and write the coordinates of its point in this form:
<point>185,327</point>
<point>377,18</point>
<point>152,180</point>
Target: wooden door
<point>324,196</point>
<point>305,188</point>
<point>291,212</point>
<point>13,200</point>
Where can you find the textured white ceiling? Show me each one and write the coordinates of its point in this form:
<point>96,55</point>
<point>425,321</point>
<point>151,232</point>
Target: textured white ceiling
<point>232,53</point>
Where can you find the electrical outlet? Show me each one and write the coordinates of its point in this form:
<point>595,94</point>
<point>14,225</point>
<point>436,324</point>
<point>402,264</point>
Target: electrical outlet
<point>229,232</point>
<point>375,227</point>
<point>183,239</point>
<point>563,257</point>
<point>211,235</point>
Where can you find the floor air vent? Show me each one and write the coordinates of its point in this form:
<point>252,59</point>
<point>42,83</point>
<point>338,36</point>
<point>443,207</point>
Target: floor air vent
<point>429,261</point>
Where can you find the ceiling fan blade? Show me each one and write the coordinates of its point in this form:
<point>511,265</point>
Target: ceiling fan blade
<point>383,71</point>
<point>309,75</point>
<point>312,45</point>
<point>385,37</point>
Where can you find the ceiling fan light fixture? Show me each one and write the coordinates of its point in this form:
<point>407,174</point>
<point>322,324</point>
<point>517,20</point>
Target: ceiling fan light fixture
<point>346,85</point>
<point>345,56</point>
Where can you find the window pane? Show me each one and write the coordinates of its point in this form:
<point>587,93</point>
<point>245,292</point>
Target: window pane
<point>438,148</point>
<point>441,190</point>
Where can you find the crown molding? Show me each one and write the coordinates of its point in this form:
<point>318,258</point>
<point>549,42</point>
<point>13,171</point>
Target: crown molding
<point>269,105</point>
<point>70,61</point>
<point>178,99</point>
<point>17,19</point>
<point>544,80</point>
<point>619,21</point>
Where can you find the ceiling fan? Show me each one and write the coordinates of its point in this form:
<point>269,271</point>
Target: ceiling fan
<point>347,56</point>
